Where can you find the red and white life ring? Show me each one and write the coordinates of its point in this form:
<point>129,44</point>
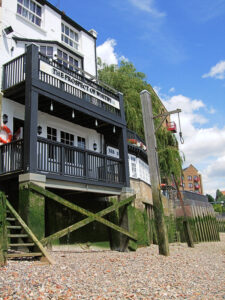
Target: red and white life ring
<point>8,133</point>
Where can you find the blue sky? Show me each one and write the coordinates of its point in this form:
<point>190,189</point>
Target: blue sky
<point>180,46</point>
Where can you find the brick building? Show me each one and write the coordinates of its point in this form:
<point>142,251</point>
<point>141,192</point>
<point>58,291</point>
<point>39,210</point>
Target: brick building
<point>192,180</point>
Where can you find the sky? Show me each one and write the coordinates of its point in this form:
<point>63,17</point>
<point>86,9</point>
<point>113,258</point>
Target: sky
<point>180,46</point>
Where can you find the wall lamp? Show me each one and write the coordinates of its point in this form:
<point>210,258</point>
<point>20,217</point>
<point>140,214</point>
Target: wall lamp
<point>8,30</point>
<point>39,130</point>
<point>95,146</point>
<point>5,119</point>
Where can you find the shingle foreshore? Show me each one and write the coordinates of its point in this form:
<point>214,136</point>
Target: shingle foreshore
<point>188,273</point>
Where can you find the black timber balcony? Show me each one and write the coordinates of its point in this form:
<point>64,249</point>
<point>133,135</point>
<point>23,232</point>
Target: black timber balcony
<point>59,161</point>
<point>35,81</point>
<point>67,81</point>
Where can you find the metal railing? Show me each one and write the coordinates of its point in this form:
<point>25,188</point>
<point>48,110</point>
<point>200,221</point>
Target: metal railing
<point>11,157</point>
<point>60,159</point>
<point>14,72</point>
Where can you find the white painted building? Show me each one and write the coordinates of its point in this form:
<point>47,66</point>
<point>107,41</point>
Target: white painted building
<point>72,110</point>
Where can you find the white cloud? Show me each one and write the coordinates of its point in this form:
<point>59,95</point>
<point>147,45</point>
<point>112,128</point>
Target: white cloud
<point>217,71</point>
<point>203,147</point>
<point>123,58</point>
<point>107,53</point>
<point>172,90</point>
<point>147,6</point>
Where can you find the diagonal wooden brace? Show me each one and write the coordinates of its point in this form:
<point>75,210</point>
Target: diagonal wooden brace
<point>91,216</point>
<point>86,221</point>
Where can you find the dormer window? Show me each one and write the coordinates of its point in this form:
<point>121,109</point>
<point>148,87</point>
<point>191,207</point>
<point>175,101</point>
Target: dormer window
<point>70,36</point>
<point>30,10</point>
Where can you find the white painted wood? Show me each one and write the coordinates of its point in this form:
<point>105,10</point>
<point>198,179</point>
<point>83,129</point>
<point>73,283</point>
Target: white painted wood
<point>50,30</point>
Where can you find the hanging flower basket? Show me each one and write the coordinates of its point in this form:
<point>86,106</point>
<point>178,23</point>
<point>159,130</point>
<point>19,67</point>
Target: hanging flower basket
<point>137,143</point>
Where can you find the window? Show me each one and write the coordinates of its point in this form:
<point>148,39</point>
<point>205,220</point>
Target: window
<point>47,51</point>
<point>134,170</point>
<point>190,185</point>
<point>81,142</point>
<point>30,10</point>
<point>67,60</point>
<point>189,177</point>
<point>52,149</point>
<point>51,134</point>
<point>70,36</point>
<point>67,138</point>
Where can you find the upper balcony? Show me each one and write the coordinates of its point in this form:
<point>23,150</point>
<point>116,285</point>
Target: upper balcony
<point>86,90</point>
<point>136,145</point>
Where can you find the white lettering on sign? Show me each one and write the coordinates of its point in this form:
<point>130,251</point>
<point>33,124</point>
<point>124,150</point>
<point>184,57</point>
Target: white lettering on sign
<point>46,68</point>
<point>111,151</point>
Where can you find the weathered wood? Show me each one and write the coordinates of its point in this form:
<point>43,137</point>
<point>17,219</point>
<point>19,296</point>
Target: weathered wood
<point>86,221</point>
<point>154,172</point>
<point>29,232</point>
<point>3,230</point>
<point>17,235</point>
<point>187,230</point>
<point>30,254</point>
<point>195,225</point>
<point>81,210</point>
<point>21,245</point>
<point>13,227</point>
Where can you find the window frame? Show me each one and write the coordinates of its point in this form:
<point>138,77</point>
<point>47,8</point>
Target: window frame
<point>67,36</point>
<point>31,16</point>
<point>66,62</point>
<point>52,152</point>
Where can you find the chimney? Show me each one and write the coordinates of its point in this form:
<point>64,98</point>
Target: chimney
<point>94,33</point>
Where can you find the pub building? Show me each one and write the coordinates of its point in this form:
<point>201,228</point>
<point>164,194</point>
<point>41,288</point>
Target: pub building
<point>60,127</point>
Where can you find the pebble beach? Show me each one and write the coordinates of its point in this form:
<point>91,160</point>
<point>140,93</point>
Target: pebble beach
<point>188,273</point>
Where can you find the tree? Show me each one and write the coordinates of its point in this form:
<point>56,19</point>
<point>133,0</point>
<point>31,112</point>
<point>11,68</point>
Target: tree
<point>210,198</point>
<point>219,196</point>
<point>126,79</point>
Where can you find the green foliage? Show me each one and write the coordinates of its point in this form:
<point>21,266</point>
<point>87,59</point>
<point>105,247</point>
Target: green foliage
<point>218,208</point>
<point>210,198</point>
<point>126,79</point>
<point>219,196</point>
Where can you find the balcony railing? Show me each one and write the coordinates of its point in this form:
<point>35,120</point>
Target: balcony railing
<point>14,72</point>
<point>65,160</point>
<point>69,81</point>
<point>11,157</point>
<point>134,140</point>
<point>72,82</point>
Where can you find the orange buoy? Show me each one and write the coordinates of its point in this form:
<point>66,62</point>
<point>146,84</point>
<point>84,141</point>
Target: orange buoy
<point>9,134</point>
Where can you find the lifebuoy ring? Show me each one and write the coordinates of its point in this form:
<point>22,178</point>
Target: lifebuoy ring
<point>9,134</point>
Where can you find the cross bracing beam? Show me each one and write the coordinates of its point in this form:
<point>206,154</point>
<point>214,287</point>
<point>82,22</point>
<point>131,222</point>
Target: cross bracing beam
<point>91,216</point>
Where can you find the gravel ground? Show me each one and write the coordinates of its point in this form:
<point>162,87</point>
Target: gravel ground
<point>188,273</point>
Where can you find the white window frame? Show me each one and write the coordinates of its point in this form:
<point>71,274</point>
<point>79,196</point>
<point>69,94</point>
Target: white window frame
<point>75,42</point>
<point>74,57</point>
<point>30,13</point>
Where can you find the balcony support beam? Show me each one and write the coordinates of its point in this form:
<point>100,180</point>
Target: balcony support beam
<point>31,110</point>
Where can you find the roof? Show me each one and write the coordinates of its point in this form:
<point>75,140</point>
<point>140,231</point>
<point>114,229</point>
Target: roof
<point>65,17</point>
<point>223,192</point>
<point>17,38</point>
<point>190,167</point>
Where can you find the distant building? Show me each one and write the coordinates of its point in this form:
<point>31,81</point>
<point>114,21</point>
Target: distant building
<point>192,180</point>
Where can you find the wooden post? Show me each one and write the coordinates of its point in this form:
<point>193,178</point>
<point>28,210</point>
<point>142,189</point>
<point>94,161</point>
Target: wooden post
<point>154,172</point>
<point>3,230</point>
<point>187,230</point>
